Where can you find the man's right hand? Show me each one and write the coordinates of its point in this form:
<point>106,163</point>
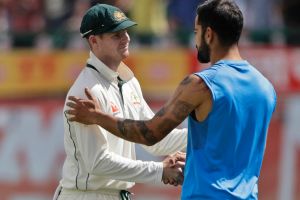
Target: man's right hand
<point>83,110</point>
<point>173,169</point>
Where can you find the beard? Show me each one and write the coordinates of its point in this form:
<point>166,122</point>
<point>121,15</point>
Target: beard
<point>203,52</point>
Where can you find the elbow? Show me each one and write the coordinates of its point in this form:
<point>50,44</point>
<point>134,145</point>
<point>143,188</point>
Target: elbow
<point>97,165</point>
<point>150,142</point>
<point>150,134</point>
<point>151,139</point>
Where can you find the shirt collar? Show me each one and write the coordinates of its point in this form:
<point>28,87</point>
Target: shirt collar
<point>123,71</point>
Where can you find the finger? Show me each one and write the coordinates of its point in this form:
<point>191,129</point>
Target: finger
<point>75,119</point>
<point>72,119</point>
<point>166,181</point>
<point>180,153</point>
<point>174,182</point>
<point>180,164</point>
<point>71,112</point>
<point>89,94</point>
<point>180,159</point>
<point>71,104</point>
<point>89,104</point>
<point>177,153</point>
<point>73,98</point>
<point>172,161</point>
<point>86,102</point>
<point>180,156</point>
<point>180,180</point>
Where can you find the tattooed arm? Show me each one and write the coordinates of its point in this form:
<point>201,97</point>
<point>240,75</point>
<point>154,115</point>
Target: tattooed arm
<point>189,95</point>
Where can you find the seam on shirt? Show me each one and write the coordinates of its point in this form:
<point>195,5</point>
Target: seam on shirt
<point>214,98</point>
<point>76,180</point>
<point>86,181</point>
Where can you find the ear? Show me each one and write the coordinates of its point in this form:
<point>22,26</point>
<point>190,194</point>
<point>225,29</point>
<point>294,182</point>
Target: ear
<point>92,40</point>
<point>209,35</point>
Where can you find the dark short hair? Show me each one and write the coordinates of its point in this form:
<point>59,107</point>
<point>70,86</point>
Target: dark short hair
<point>224,17</point>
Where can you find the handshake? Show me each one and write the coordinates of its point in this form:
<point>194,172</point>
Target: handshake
<point>173,167</point>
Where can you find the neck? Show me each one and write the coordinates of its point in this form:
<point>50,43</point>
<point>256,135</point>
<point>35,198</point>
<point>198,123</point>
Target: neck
<point>113,65</point>
<point>225,53</point>
<point>110,62</point>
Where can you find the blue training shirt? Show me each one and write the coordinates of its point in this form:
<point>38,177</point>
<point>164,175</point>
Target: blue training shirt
<point>225,151</point>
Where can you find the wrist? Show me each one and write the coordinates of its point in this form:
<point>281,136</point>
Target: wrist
<point>98,117</point>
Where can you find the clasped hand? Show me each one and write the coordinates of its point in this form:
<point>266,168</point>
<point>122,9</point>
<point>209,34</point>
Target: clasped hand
<point>173,168</point>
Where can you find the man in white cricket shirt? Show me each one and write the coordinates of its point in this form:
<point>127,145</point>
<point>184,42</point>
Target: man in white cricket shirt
<point>98,164</point>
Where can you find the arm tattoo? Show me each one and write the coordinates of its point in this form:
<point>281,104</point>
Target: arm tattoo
<point>186,81</point>
<point>182,109</point>
<point>167,125</point>
<point>131,129</point>
<point>146,132</point>
<point>124,126</point>
<point>120,125</point>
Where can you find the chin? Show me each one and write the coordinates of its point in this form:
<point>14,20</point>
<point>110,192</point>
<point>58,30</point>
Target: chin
<point>125,54</point>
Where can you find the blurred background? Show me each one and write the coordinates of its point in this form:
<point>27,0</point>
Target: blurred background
<point>41,54</point>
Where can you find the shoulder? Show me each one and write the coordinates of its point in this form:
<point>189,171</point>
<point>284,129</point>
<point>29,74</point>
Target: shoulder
<point>208,73</point>
<point>194,88</point>
<point>134,83</point>
<point>193,80</point>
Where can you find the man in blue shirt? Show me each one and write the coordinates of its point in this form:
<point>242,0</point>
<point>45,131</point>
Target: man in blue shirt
<point>229,107</point>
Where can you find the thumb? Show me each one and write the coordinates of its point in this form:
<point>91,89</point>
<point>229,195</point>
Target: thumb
<point>181,157</point>
<point>180,164</point>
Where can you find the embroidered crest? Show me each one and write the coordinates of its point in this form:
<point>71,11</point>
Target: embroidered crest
<point>119,16</point>
<point>135,99</point>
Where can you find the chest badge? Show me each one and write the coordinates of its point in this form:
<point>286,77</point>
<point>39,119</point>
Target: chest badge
<point>135,99</point>
<point>114,108</point>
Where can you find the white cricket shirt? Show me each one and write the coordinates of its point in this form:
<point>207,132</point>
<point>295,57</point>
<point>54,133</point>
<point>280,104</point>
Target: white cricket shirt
<point>95,158</point>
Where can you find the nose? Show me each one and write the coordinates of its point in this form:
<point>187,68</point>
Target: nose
<point>126,37</point>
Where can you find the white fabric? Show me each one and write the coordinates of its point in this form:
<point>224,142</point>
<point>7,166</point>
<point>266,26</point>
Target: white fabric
<point>96,159</point>
<point>89,195</point>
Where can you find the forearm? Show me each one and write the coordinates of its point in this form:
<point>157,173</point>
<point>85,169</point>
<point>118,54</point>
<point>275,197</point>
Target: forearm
<point>146,132</point>
<point>173,142</point>
<point>92,143</point>
<point>116,167</point>
<point>131,130</point>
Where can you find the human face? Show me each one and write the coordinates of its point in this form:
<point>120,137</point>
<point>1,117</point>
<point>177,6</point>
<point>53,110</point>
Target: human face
<point>112,47</point>
<point>203,50</point>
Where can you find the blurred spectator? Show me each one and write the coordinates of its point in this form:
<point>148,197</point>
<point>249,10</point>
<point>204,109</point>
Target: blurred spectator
<point>110,2</point>
<point>262,20</point>
<point>55,23</point>
<point>4,27</point>
<point>56,14</point>
<point>291,18</point>
<point>181,17</point>
<point>151,18</point>
<point>124,5</point>
<point>73,25</point>
<point>26,21</point>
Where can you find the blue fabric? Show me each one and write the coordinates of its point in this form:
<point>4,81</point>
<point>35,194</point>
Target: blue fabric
<point>225,151</point>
